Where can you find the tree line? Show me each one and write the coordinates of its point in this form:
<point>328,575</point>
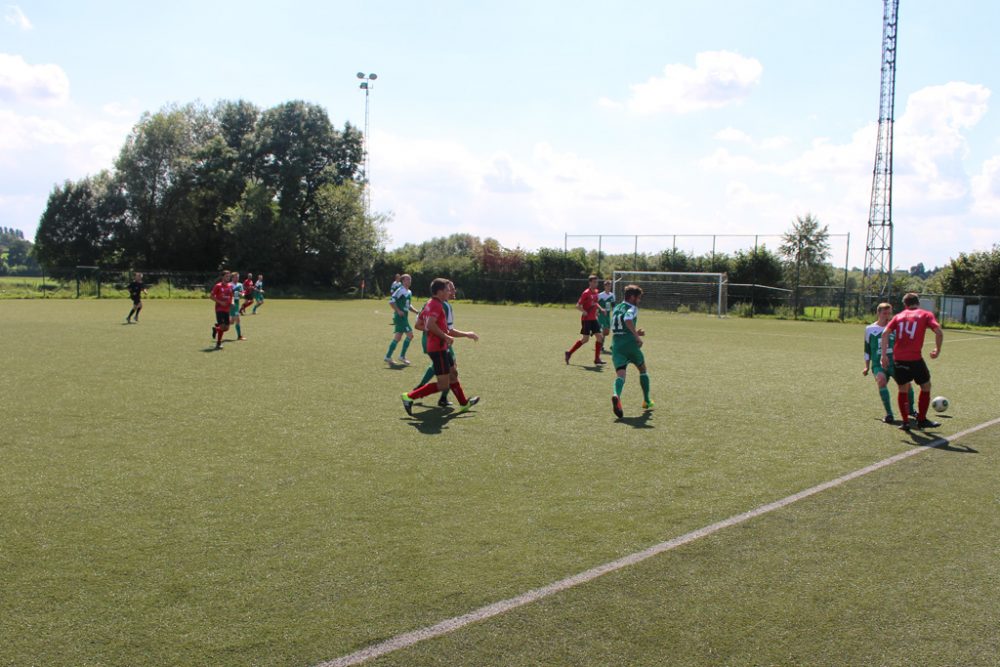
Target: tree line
<point>278,191</point>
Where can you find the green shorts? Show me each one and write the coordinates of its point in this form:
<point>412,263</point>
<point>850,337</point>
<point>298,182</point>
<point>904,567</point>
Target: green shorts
<point>877,368</point>
<point>623,355</point>
<point>604,321</point>
<point>401,325</point>
<point>258,297</point>
<point>234,310</point>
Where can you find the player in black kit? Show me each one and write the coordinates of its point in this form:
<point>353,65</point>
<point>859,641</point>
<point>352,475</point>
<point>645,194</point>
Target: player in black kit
<point>135,290</point>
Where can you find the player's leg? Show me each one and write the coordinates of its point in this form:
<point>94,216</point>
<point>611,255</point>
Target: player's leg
<point>882,383</point>
<point>392,346</point>
<point>584,337</point>
<point>598,344</point>
<point>923,378</point>
<point>443,401</point>
<point>647,402</point>
<point>442,371</point>
<point>138,307</point>
<point>406,346</point>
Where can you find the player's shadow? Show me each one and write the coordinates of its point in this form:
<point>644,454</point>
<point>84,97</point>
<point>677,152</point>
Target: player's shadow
<point>395,367</point>
<point>639,421</point>
<point>433,420</point>
<point>594,368</point>
<point>924,439</point>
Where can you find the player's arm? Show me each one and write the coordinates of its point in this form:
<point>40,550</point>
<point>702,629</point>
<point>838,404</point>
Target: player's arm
<point>885,346</point>
<point>395,308</point>
<point>868,357</point>
<point>414,310</point>
<point>455,333</point>
<point>434,328</point>
<point>938,341</point>
<point>636,333</point>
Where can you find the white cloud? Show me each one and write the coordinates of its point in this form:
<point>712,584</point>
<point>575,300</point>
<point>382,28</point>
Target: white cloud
<point>15,17</point>
<point>986,190</point>
<point>40,84</point>
<point>718,79</point>
<point>731,134</point>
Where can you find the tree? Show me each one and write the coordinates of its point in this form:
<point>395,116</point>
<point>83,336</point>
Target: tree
<point>79,224</point>
<point>806,249</point>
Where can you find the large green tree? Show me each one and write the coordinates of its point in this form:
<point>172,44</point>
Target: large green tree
<point>80,224</point>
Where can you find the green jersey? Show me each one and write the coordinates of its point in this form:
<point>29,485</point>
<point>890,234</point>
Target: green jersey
<point>605,300</point>
<point>401,297</point>
<point>624,346</point>
<point>873,342</point>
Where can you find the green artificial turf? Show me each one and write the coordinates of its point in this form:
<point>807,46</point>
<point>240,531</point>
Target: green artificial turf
<point>273,504</point>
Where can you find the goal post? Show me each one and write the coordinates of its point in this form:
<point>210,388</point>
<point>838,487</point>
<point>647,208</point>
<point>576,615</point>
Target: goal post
<point>677,291</point>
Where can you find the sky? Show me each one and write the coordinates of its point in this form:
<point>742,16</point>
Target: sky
<point>541,123</point>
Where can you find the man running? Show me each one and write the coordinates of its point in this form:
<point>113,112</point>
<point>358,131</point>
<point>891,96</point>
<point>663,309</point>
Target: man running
<point>588,306</point>
<point>626,348</point>
<point>135,290</point>
<point>873,360</point>
<point>401,305</point>
<point>909,327</point>
<point>606,303</point>
<point>222,295</point>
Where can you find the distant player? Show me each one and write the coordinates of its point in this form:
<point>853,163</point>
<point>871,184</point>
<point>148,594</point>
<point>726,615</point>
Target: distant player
<point>222,295</point>
<point>401,305</point>
<point>909,327</point>
<point>587,304</point>
<point>626,348</point>
<point>234,308</point>
<point>258,293</point>
<point>396,282</point>
<point>873,359</point>
<point>248,286</point>
<point>606,303</point>
<point>439,338</point>
<point>135,290</point>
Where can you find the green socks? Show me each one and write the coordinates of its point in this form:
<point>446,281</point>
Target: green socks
<point>619,385</point>
<point>883,393</point>
<point>644,383</point>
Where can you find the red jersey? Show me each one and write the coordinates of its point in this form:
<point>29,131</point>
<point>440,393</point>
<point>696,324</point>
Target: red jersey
<point>434,310</point>
<point>223,292</point>
<point>909,326</point>
<point>588,301</point>
<point>248,288</point>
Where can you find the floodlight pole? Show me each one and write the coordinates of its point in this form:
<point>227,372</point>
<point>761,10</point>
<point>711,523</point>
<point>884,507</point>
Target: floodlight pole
<point>366,85</point>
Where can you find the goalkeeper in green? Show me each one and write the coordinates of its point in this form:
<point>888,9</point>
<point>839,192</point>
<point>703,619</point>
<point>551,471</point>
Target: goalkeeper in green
<point>626,348</point>
<point>873,355</point>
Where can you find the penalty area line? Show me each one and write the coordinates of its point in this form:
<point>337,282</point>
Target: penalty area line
<point>408,639</point>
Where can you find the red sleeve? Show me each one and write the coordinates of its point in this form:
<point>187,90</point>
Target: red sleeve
<point>932,322</point>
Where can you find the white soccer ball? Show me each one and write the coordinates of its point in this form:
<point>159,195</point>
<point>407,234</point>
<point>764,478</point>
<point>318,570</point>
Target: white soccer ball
<point>939,403</point>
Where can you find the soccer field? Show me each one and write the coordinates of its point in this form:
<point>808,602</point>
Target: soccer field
<point>272,503</point>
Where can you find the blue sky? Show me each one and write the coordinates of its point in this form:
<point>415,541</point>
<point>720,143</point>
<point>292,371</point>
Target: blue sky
<point>529,120</point>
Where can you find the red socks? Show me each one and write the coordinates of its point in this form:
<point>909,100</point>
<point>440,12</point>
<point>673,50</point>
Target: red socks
<point>428,389</point>
<point>923,402</point>
<point>456,389</point>
<point>904,405</point>
<point>597,351</point>
<point>576,346</point>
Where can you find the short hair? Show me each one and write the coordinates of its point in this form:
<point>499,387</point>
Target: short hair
<point>911,299</point>
<point>439,284</point>
<point>632,290</point>
<point>591,277</point>
<point>883,306</point>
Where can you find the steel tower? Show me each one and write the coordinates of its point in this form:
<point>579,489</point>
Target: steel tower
<point>878,251</point>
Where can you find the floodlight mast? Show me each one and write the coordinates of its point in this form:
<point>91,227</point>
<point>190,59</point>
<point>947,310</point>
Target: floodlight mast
<point>878,251</point>
<point>366,85</point>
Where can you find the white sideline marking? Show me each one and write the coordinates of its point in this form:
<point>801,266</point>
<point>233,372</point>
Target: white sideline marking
<point>408,639</point>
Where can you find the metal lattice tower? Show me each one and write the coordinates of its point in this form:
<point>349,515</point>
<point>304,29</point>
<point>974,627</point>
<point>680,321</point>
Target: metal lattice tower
<point>878,251</point>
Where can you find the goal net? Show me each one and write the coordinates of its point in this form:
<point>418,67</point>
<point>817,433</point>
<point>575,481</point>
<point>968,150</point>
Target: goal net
<point>678,292</point>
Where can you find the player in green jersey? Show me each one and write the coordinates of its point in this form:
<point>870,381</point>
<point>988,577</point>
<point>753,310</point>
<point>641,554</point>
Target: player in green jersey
<point>626,348</point>
<point>606,303</point>
<point>873,358</point>
<point>401,309</point>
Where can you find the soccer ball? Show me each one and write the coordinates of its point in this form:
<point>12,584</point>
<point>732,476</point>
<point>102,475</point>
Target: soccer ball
<point>940,404</point>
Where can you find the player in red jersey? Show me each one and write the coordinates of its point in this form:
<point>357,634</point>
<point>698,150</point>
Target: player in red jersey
<point>440,337</point>
<point>222,295</point>
<point>589,326</point>
<point>248,290</point>
<point>908,327</point>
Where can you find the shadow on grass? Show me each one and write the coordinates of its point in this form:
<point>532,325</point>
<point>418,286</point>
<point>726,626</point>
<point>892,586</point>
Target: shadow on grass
<point>640,421</point>
<point>433,420</point>
<point>928,439</point>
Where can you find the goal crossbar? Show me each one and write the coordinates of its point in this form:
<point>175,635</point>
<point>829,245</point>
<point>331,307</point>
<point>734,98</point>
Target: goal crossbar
<point>680,291</point>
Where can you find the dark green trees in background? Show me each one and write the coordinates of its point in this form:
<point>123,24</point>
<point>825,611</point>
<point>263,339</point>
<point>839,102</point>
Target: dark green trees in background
<point>277,191</point>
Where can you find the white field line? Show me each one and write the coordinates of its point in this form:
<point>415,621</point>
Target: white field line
<point>444,627</point>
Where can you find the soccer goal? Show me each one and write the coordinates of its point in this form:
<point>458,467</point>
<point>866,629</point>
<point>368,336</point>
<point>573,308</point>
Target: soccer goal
<point>676,291</point>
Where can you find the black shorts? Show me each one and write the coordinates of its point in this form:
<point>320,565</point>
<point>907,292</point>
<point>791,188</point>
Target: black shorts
<point>911,371</point>
<point>590,327</point>
<point>222,317</point>
<point>442,361</point>
<point>136,300</point>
